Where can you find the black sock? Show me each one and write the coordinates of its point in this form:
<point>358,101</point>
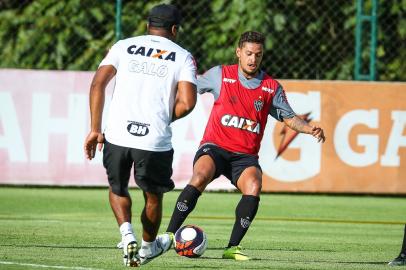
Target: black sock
<point>403,251</point>
<point>244,214</point>
<point>185,204</point>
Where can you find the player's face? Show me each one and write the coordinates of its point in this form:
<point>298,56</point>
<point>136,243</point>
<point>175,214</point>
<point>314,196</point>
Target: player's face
<point>249,58</point>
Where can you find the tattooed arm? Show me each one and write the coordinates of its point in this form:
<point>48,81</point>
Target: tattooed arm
<point>281,111</point>
<point>298,124</point>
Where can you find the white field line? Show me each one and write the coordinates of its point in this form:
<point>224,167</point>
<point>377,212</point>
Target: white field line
<point>48,266</point>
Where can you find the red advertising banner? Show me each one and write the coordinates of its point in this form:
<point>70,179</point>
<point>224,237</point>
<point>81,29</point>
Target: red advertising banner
<point>44,118</point>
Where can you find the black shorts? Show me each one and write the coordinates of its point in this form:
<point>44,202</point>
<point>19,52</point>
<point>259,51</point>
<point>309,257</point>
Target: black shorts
<point>152,170</point>
<point>229,164</point>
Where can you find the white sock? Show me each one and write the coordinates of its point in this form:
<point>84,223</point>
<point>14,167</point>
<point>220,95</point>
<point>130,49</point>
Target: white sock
<point>147,245</point>
<point>147,248</point>
<point>127,233</point>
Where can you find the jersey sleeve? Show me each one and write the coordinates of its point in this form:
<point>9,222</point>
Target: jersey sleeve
<point>210,82</point>
<point>188,70</point>
<point>280,108</point>
<point>112,58</point>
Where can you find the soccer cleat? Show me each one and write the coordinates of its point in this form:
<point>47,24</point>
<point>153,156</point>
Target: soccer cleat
<point>235,253</point>
<point>163,243</point>
<point>130,257</point>
<point>399,260</point>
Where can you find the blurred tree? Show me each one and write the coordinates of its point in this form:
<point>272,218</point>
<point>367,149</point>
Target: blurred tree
<point>51,34</point>
<point>305,39</point>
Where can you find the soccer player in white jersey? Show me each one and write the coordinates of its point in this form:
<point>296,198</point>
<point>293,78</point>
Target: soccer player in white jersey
<point>155,85</point>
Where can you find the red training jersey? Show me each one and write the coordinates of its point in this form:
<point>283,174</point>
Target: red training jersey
<point>238,118</point>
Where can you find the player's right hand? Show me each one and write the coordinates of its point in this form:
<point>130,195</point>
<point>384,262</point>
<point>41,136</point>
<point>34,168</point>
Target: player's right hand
<point>318,133</point>
<point>93,140</point>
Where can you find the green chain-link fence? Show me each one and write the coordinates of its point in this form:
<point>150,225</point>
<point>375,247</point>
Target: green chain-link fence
<point>305,39</point>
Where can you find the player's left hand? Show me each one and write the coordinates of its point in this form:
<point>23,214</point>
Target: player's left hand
<point>318,133</point>
<point>93,140</point>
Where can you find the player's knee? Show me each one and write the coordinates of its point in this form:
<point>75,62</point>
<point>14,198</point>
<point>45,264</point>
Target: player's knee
<point>153,199</point>
<point>200,180</point>
<point>119,190</point>
<point>252,187</point>
<point>256,187</point>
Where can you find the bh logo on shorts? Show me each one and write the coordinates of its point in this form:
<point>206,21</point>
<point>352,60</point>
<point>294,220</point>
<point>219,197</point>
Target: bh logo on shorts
<point>245,223</point>
<point>182,206</point>
<point>137,129</point>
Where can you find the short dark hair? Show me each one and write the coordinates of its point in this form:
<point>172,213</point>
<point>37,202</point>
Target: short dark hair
<point>251,36</point>
<point>164,16</point>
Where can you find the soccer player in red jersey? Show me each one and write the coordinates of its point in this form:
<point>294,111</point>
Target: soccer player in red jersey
<point>244,97</point>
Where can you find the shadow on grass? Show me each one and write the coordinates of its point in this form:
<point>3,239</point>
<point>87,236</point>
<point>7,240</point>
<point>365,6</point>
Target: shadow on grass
<point>188,267</point>
<point>320,261</point>
<point>281,249</point>
<point>302,261</point>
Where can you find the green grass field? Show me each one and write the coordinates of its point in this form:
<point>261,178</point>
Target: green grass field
<point>42,228</point>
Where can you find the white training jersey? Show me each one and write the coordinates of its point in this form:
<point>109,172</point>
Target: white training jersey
<point>148,70</point>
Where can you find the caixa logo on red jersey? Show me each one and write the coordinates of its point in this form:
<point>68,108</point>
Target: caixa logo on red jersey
<point>229,120</point>
<point>137,129</point>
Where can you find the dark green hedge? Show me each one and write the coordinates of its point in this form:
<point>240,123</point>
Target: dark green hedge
<point>306,39</point>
